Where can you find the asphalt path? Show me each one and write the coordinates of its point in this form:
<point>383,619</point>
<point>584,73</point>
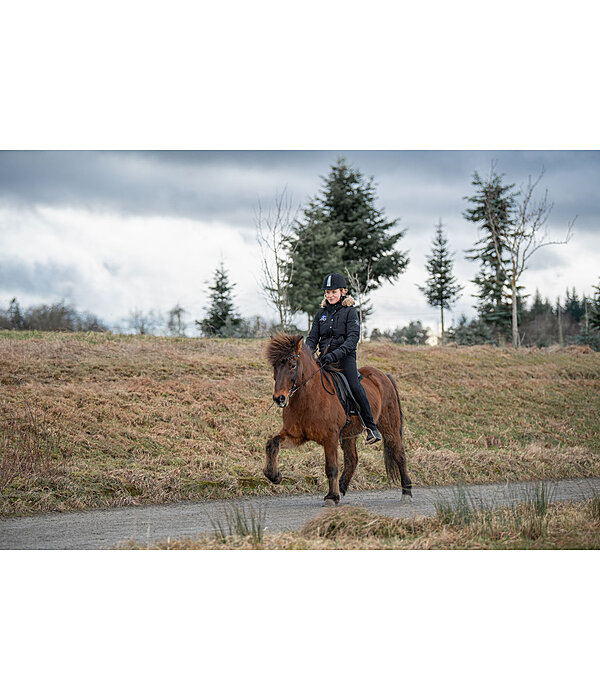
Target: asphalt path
<point>100,529</point>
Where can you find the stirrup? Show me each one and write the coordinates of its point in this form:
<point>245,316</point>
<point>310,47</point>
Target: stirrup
<point>373,436</point>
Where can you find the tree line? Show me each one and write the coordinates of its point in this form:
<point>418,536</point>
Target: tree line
<point>65,317</point>
<point>342,228</point>
<point>58,316</point>
<point>572,321</point>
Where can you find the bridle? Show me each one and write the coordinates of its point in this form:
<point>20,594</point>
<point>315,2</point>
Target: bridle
<point>296,388</point>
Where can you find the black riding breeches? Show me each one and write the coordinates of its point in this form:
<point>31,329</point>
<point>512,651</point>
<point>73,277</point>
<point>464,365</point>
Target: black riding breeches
<point>348,366</point>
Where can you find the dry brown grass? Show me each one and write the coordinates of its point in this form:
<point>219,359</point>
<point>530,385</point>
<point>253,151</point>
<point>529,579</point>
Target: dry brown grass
<point>29,448</point>
<point>561,526</point>
<point>153,420</point>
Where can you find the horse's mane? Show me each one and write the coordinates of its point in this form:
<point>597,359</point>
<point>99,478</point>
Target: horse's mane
<point>281,346</point>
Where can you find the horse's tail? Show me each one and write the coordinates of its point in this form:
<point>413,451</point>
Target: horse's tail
<point>389,376</point>
<point>393,451</point>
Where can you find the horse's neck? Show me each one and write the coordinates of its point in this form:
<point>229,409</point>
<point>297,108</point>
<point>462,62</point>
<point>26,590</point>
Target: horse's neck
<point>309,367</point>
<point>312,388</point>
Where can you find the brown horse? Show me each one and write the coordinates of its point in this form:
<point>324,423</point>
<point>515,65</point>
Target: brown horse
<point>312,412</point>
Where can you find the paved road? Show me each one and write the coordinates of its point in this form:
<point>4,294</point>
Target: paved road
<point>99,529</point>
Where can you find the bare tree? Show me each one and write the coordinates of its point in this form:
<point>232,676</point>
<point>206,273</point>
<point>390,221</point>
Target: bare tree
<point>175,325</point>
<point>142,322</point>
<point>522,238</point>
<point>273,230</point>
<point>362,296</point>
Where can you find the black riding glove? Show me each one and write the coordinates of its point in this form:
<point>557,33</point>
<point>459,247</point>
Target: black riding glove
<point>328,359</point>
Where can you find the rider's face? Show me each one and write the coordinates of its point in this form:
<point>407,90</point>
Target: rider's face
<point>333,295</point>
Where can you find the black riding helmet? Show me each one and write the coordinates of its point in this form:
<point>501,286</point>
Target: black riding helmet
<point>334,281</point>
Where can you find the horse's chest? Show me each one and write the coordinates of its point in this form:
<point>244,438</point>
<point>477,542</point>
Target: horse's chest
<point>316,422</point>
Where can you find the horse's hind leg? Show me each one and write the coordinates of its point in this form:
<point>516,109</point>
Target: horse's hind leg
<point>395,462</point>
<point>394,455</point>
<point>350,462</point>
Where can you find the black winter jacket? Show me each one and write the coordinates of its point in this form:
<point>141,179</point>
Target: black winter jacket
<point>335,329</point>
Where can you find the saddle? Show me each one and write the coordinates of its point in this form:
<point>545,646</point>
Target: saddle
<point>344,394</point>
<point>346,399</point>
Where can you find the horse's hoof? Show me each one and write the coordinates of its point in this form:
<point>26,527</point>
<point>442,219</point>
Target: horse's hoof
<point>329,501</point>
<point>274,479</point>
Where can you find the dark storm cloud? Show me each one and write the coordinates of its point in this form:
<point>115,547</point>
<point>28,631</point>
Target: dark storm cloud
<point>50,279</point>
<point>418,186</point>
<point>121,182</point>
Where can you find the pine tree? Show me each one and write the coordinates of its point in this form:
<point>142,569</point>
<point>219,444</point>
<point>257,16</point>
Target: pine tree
<point>539,306</point>
<point>16,318</point>
<point>493,208</point>
<point>574,306</point>
<point>539,324</point>
<point>342,229</point>
<point>594,309</point>
<point>413,334</point>
<point>441,288</point>
<point>518,235</point>
<point>221,319</point>
<point>364,233</point>
<point>315,254</point>
<point>474,332</point>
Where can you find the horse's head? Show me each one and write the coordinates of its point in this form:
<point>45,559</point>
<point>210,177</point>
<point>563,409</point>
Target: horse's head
<point>284,353</point>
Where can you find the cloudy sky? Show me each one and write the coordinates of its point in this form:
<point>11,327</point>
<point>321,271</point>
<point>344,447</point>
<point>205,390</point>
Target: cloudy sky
<point>113,231</point>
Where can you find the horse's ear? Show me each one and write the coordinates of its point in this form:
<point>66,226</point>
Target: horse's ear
<point>299,342</point>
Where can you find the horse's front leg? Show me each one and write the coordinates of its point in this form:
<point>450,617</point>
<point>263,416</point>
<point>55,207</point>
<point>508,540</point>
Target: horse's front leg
<point>283,439</point>
<point>331,470</point>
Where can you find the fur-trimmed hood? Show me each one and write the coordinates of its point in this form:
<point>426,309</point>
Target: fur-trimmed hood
<point>346,301</point>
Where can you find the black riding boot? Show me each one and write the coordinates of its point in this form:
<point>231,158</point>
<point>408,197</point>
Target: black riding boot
<point>348,366</point>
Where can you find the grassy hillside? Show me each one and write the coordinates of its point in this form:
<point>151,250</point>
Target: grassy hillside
<point>91,420</point>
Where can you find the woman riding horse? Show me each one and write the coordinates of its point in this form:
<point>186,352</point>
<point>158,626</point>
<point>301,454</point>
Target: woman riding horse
<point>336,330</point>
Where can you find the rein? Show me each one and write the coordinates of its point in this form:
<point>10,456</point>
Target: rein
<point>296,388</point>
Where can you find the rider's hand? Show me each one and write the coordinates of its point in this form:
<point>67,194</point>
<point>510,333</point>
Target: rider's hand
<point>328,359</point>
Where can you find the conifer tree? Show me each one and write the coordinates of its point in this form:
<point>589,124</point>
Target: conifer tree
<point>16,318</point>
<point>343,229</point>
<point>539,324</point>
<point>516,230</point>
<point>474,332</point>
<point>221,318</point>
<point>539,306</point>
<point>594,309</point>
<point>493,208</point>
<point>441,288</point>
<point>573,305</point>
<point>315,254</point>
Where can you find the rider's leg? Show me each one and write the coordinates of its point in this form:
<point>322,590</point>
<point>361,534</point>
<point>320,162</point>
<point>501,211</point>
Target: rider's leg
<point>348,367</point>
